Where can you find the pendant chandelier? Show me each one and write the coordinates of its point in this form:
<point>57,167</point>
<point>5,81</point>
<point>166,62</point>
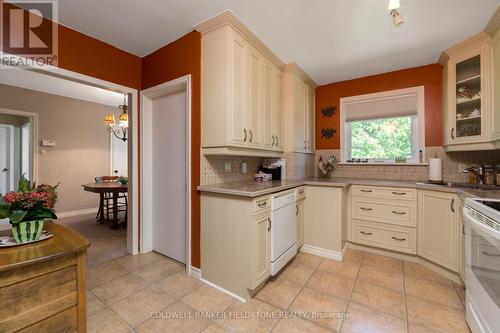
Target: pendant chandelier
<point>119,129</point>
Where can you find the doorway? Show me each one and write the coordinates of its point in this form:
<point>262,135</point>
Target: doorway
<point>166,173</point>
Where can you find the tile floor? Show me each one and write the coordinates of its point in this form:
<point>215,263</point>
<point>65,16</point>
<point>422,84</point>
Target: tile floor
<point>378,295</point>
<point>106,244</point>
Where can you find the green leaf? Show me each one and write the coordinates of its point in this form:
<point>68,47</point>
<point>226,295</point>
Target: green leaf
<point>4,209</point>
<point>24,184</point>
<point>17,216</point>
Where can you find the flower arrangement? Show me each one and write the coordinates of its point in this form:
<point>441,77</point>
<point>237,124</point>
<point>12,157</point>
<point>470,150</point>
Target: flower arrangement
<point>30,203</point>
<point>329,165</point>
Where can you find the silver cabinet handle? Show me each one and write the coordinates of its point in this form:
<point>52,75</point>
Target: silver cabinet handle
<point>490,254</point>
<point>273,140</point>
<point>244,135</point>
<point>399,239</point>
<point>269,228</point>
<point>367,209</point>
<point>452,133</point>
<point>366,191</point>
<point>398,213</point>
<point>399,193</point>
<point>251,135</point>
<point>366,233</point>
<point>452,205</point>
<point>262,204</point>
<point>296,209</point>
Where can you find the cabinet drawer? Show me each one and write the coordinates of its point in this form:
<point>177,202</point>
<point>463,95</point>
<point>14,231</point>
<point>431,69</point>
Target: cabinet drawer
<point>385,211</point>
<point>391,237</point>
<point>261,204</point>
<point>399,193</point>
<point>301,193</point>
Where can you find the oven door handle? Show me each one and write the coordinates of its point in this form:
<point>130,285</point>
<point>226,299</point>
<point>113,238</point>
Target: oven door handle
<point>480,226</point>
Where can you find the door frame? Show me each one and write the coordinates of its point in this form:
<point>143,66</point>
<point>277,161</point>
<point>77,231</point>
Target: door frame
<point>34,137</point>
<point>180,84</point>
<point>133,240</point>
<point>11,156</point>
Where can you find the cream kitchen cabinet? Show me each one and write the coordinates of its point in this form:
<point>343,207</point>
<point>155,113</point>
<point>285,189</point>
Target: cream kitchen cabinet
<point>272,108</point>
<point>384,217</point>
<point>241,95</point>
<point>300,216</point>
<point>235,242</point>
<point>299,109</point>
<point>471,122</point>
<point>439,228</point>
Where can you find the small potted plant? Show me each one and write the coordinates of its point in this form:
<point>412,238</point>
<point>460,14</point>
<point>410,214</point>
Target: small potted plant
<point>27,209</point>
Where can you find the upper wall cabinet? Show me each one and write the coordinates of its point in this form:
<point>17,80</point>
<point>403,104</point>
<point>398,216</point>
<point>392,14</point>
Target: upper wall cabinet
<point>241,95</point>
<point>299,108</point>
<point>471,122</point>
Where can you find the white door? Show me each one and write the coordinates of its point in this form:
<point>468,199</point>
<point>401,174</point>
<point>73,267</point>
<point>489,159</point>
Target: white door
<point>119,150</point>
<point>169,175</point>
<point>6,181</point>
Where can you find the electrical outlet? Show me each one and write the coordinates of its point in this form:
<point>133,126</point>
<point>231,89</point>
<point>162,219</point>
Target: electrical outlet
<point>85,198</point>
<point>227,167</point>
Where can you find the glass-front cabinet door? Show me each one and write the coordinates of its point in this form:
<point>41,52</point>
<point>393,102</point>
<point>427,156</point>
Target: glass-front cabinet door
<point>469,107</point>
<point>468,113</point>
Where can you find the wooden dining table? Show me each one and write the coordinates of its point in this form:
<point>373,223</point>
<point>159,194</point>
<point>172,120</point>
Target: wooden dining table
<point>115,188</point>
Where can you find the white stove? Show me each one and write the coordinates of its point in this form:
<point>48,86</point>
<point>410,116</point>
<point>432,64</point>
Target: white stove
<point>482,259</point>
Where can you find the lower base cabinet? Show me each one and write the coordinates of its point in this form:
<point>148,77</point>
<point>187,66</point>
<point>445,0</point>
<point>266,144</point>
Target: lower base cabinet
<point>235,242</point>
<point>439,228</point>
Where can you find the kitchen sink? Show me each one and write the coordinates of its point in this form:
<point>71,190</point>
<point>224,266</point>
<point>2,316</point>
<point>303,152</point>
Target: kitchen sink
<point>472,186</point>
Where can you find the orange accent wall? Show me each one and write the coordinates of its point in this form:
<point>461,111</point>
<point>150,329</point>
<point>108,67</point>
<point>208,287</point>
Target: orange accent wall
<point>174,60</point>
<point>87,55</point>
<point>429,76</point>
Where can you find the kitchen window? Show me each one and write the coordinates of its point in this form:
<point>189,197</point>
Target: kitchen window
<point>384,128</point>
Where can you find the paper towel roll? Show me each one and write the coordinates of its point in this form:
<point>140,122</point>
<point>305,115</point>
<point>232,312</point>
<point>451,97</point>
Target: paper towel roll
<point>435,169</point>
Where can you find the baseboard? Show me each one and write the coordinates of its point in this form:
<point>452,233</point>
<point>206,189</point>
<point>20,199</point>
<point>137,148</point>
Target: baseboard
<point>335,255</point>
<point>241,299</point>
<point>195,272</point>
<point>453,276</point>
<point>77,212</point>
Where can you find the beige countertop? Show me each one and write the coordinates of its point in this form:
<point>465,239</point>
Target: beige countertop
<point>253,189</point>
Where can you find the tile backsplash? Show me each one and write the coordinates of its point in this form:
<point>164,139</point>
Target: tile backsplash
<point>452,162</point>
<point>300,166</point>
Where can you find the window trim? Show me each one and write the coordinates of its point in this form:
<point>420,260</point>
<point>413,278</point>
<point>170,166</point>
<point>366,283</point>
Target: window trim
<point>418,91</point>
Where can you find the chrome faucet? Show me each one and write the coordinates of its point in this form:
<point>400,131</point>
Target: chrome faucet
<point>477,171</point>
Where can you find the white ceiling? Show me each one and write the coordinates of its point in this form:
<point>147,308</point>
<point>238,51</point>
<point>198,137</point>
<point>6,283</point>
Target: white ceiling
<point>332,40</point>
<point>59,86</point>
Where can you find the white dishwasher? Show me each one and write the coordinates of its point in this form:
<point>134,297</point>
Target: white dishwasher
<point>283,229</point>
